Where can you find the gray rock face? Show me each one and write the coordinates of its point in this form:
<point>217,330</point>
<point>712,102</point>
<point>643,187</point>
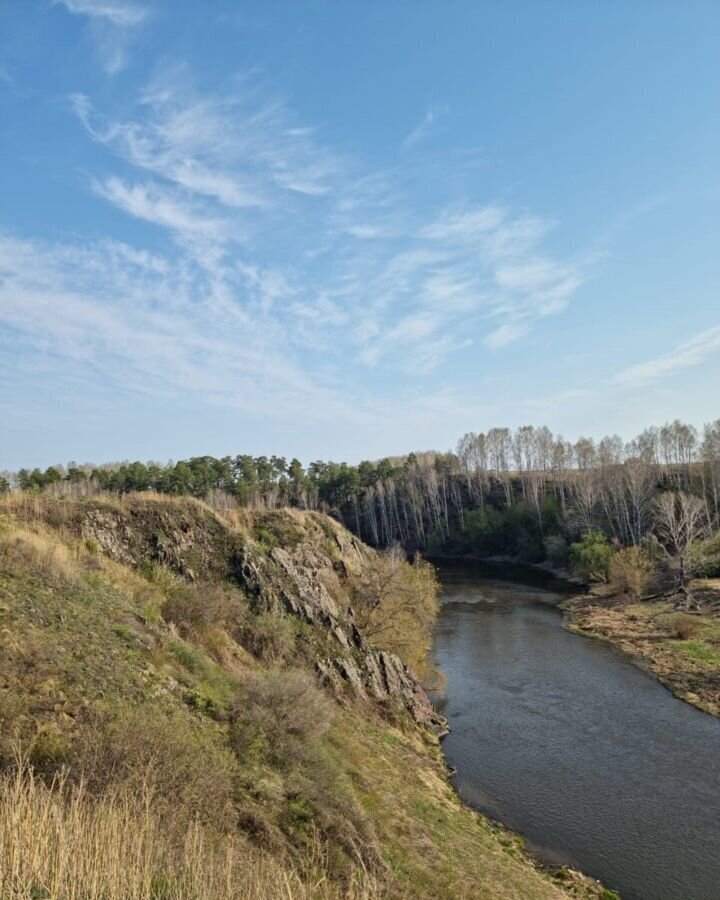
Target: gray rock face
<point>295,582</point>
<point>307,578</point>
<point>383,678</point>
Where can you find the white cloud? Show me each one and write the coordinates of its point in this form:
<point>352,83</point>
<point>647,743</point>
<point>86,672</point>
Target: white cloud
<point>151,326</point>
<point>465,224</point>
<point>238,148</point>
<point>237,166</point>
<point>421,130</point>
<point>123,15</point>
<point>686,355</point>
<point>290,268</point>
<point>464,266</point>
<point>163,208</point>
<point>505,334</point>
<point>111,23</point>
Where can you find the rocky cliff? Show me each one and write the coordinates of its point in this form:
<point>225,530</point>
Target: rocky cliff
<point>148,644</point>
<point>289,563</point>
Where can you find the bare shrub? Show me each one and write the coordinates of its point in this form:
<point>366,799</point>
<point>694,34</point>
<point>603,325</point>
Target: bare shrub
<point>684,626</point>
<point>192,608</point>
<point>281,720</point>
<point>280,716</point>
<point>267,636</point>
<point>680,521</point>
<point>630,570</point>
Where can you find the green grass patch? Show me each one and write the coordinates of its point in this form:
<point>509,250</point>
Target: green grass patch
<point>699,651</point>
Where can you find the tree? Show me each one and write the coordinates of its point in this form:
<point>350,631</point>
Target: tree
<point>680,520</point>
<point>590,556</point>
<point>396,603</point>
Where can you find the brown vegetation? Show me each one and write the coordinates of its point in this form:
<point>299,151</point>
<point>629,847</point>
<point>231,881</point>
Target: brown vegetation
<point>396,605</point>
<point>179,747</point>
<point>63,842</point>
<point>681,648</point>
<point>630,571</point>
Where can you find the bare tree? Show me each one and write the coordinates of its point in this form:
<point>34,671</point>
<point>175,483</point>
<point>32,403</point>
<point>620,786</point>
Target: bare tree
<point>680,520</point>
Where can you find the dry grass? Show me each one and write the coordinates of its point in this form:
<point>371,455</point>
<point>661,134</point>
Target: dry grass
<point>684,626</point>
<point>36,552</point>
<point>60,843</point>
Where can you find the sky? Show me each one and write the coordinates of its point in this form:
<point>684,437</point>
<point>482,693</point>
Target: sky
<point>345,230</point>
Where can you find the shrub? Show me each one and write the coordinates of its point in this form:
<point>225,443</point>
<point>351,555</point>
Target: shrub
<point>630,570</point>
<point>268,637</point>
<point>590,556</point>
<point>280,716</point>
<point>49,751</point>
<point>704,557</point>
<point>277,529</point>
<point>181,762</point>
<point>396,604</point>
<point>684,626</point>
<point>195,607</point>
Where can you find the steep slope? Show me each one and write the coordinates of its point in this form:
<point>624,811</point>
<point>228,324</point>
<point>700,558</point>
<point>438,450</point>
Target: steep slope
<point>151,645</point>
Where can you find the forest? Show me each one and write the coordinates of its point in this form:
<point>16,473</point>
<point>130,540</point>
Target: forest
<point>526,493</point>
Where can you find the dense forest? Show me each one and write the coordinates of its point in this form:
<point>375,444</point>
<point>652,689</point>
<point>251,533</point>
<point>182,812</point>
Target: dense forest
<point>527,493</point>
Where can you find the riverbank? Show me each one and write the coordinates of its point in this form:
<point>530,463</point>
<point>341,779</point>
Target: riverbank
<point>682,649</point>
<point>505,559</point>
<point>552,735</point>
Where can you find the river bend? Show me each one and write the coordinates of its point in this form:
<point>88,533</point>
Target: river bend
<point>571,745</point>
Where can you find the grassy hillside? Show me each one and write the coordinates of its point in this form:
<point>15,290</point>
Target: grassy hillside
<point>164,732</point>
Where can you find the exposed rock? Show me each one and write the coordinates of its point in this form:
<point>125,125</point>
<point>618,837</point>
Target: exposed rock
<point>306,574</point>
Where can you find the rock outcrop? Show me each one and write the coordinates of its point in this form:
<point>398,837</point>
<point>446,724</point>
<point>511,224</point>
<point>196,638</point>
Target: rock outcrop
<point>288,563</point>
<point>308,581</point>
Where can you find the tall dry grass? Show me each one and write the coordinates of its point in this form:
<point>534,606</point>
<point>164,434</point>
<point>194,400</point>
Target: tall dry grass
<point>61,843</point>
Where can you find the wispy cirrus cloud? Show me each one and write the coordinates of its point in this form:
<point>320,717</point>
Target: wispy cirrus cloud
<point>161,207</point>
<point>505,334</point>
<point>476,272</point>
<point>116,12</point>
<point>156,327</point>
<point>687,354</point>
<point>291,269</point>
<point>238,148</point>
<point>422,129</point>
<point>111,23</point>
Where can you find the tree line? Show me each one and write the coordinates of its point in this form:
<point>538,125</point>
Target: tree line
<point>526,492</point>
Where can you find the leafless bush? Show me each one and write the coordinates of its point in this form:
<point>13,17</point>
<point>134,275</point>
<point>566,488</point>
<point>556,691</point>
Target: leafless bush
<point>630,571</point>
<point>684,626</point>
<point>281,714</point>
<point>268,637</point>
<point>190,774</point>
<point>194,607</point>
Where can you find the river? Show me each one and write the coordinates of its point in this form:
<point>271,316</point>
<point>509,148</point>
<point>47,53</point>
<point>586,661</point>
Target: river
<point>568,743</point>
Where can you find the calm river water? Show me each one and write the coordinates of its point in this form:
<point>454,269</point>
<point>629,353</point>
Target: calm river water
<point>569,744</point>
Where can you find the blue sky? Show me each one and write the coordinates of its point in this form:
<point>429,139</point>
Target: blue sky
<point>352,229</point>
